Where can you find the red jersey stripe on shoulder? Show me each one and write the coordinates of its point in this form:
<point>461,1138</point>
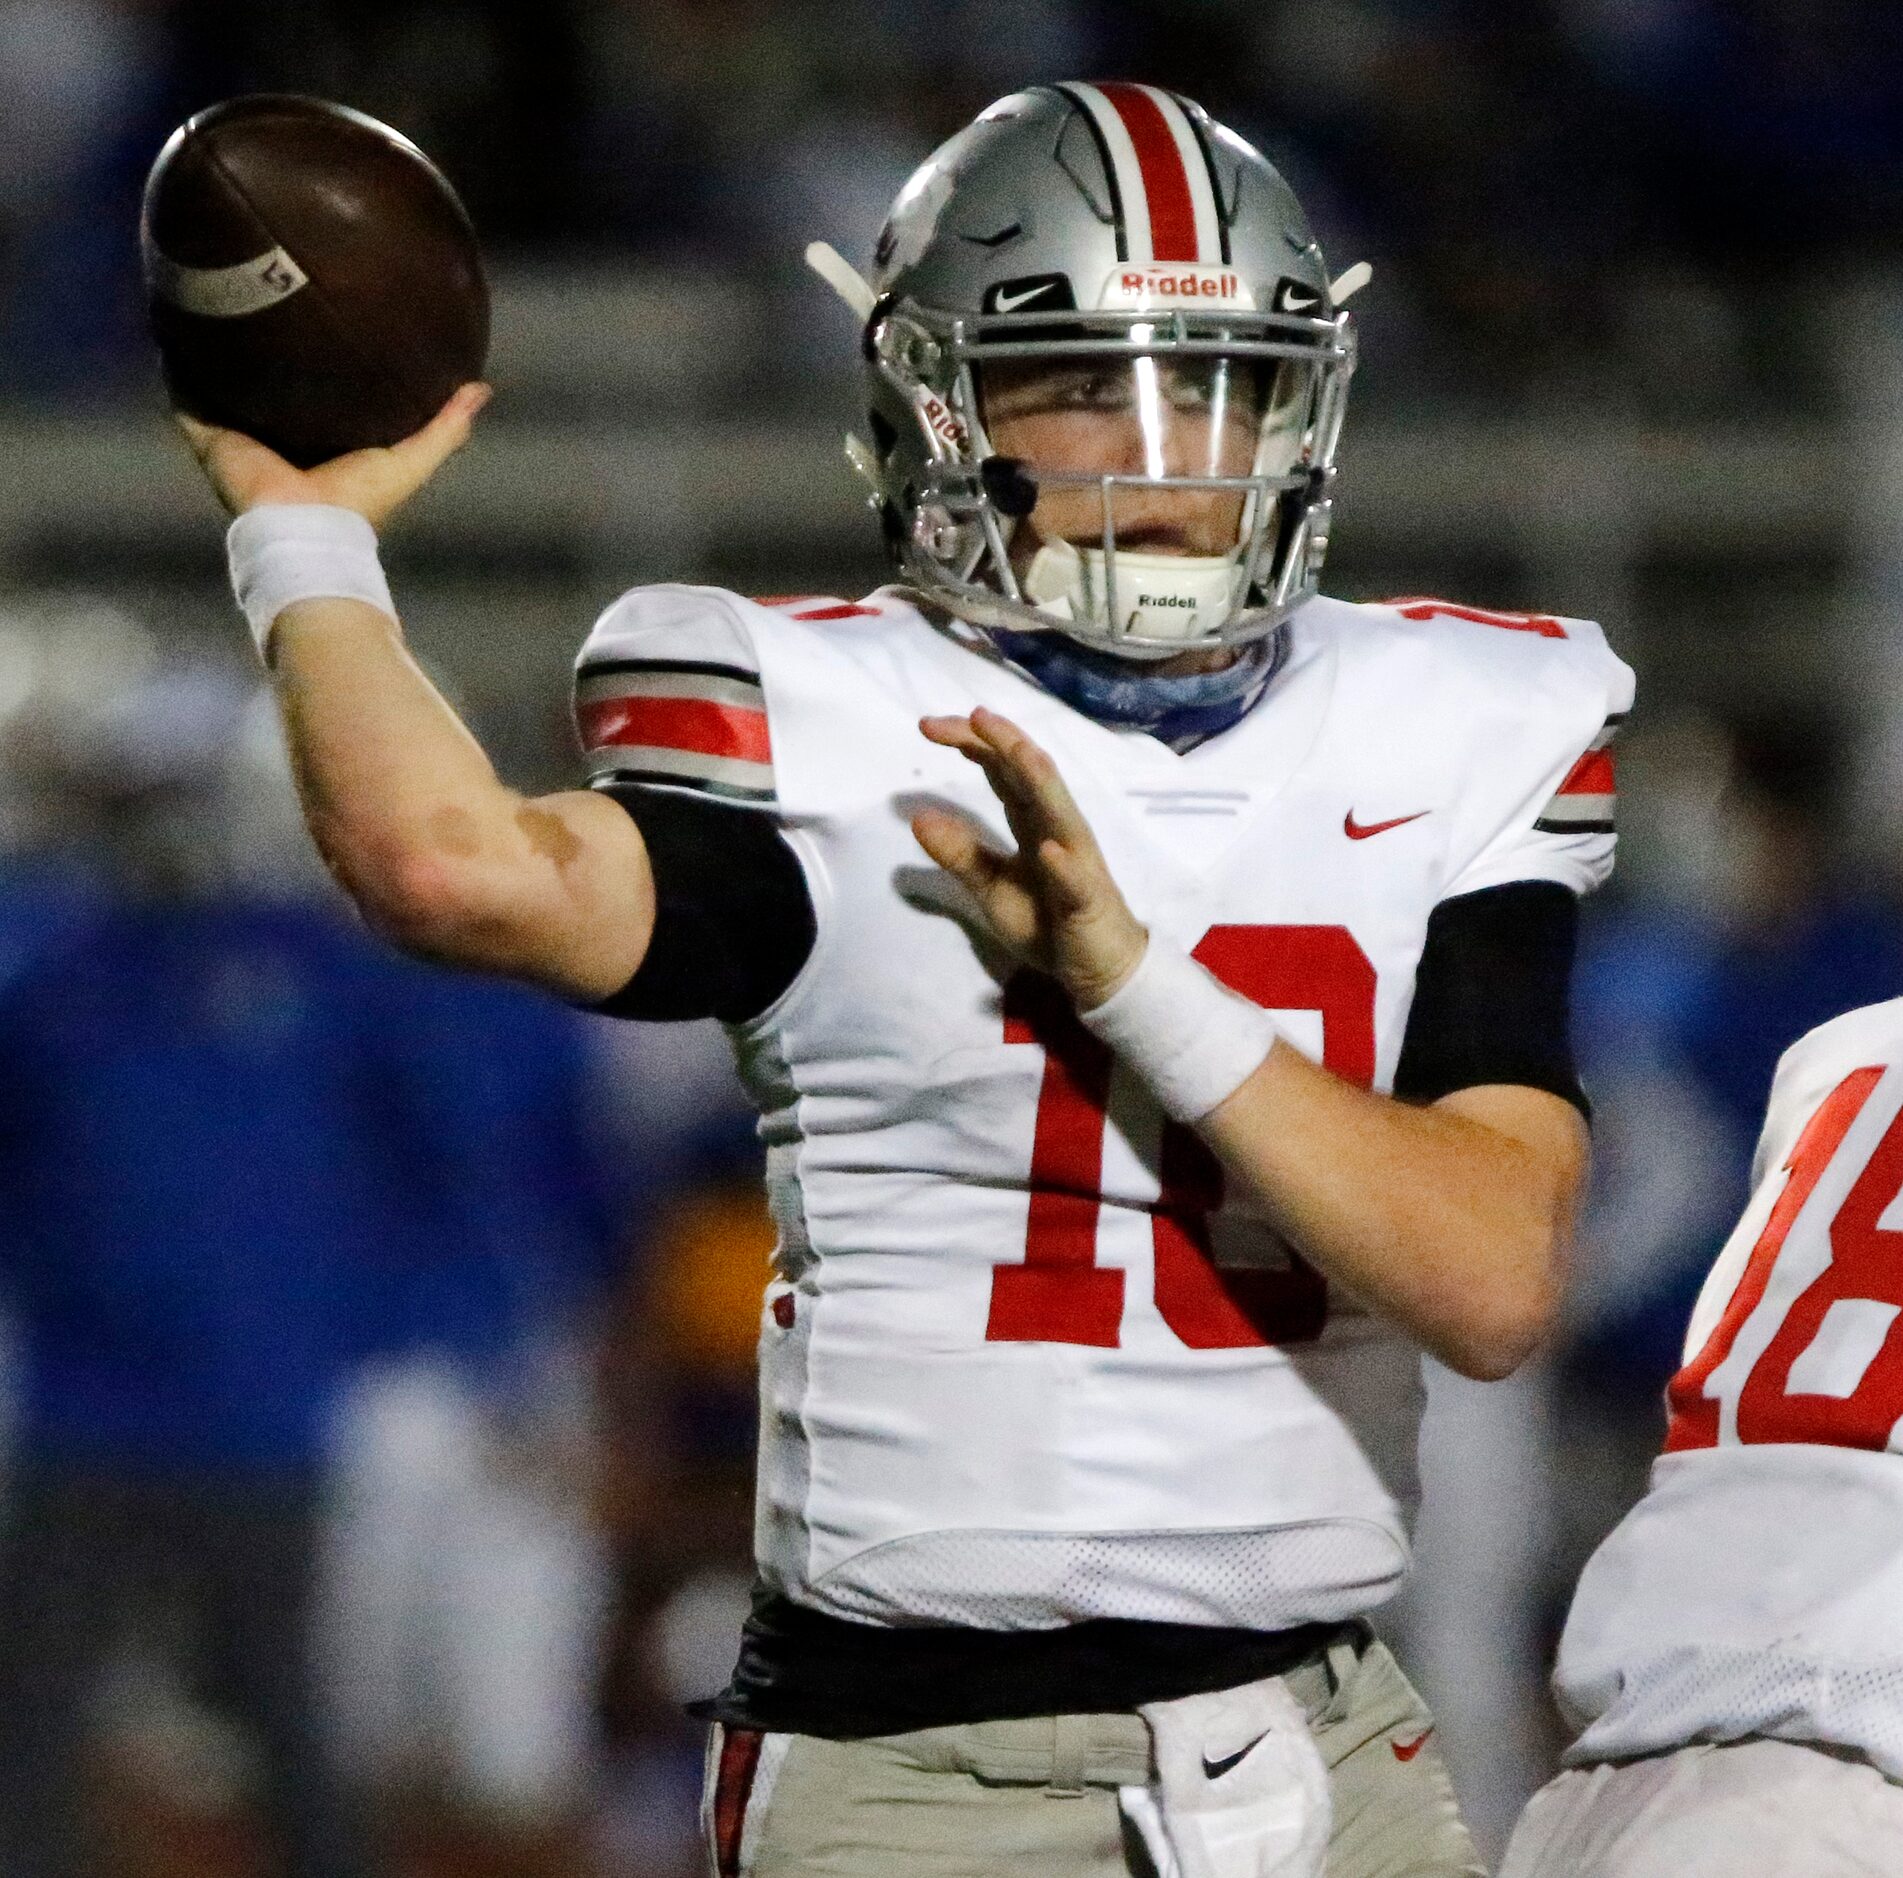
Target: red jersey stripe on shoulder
<point>817,606</point>
<point>1587,801</point>
<point>720,730</point>
<point>841,609</point>
<point>1423,608</point>
<point>1592,775</point>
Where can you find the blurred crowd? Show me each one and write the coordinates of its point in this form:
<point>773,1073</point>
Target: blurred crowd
<point>1663,194</point>
<point>380,1425</point>
<point>379,1360</point>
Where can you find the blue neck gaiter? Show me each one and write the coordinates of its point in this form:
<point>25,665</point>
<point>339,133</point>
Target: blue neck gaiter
<point>1181,711</point>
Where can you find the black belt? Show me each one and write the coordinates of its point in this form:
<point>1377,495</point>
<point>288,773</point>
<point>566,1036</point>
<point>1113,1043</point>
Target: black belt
<point>804,1672</point>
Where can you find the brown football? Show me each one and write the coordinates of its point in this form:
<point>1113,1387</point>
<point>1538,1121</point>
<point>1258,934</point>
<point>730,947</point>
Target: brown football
<point>311,277</point>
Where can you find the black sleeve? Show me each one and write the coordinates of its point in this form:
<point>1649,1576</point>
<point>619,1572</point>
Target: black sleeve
<point>733,920</point>
<point>1491,995</point>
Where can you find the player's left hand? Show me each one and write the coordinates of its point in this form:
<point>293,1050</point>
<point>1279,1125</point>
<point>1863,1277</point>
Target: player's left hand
<point>1053,902</point>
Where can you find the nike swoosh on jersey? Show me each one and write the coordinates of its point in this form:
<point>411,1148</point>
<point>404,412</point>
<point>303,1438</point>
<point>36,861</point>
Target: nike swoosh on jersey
<point>1406,1750</point>
<point>1357,831</point>
<point>1214,1770</point>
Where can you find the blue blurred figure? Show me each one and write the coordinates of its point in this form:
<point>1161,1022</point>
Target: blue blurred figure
<point>1698,1004</point>
<point>245,1151</point>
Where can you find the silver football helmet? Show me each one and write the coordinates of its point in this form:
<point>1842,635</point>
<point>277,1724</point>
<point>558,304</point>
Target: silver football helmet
<point>1106,375</point>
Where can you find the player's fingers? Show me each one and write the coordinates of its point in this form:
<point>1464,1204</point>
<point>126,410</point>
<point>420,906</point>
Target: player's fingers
<point>424,453</point>
<point>963,735</point>
<point>954,733</point>
<point>244,471</point>
<point>198,434</point>
<point>377,482</point>
<point>1034,775</point>
<point>1019,802</point>
<point>960,849</point>
<point>956,845</point>
<point>1037,805</point>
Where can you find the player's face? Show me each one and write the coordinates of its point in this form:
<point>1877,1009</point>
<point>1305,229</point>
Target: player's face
<point>1147,417</point>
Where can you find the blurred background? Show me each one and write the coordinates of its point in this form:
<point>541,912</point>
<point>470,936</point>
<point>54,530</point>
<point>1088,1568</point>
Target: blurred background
<point>377,1515</point>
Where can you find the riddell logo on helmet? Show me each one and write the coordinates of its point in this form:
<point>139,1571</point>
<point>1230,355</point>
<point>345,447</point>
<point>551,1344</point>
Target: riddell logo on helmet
<point>941,419</point>
<point>1182,284</point>
<point>1163,599</point>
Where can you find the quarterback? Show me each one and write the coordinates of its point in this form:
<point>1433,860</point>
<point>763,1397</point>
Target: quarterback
<point>1152,976</point>
<point>1734,1654</point>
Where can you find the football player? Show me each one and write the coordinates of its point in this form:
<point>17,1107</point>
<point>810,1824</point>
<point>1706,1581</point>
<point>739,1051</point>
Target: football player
<point>1125,1161</point>
<point>1734,1654</point>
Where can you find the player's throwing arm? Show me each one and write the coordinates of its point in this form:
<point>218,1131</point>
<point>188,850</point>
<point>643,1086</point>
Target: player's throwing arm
<point>360,323</point>
<point>1453,1220</point>
<point>408,812</point>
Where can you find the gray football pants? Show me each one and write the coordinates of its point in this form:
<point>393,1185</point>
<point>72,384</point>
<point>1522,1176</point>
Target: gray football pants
<point>1015,1798</point>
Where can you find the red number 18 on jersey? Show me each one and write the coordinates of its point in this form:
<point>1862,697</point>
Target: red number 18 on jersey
<point>1832,1368</point>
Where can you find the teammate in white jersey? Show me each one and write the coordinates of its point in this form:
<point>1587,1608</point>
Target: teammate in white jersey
<point>1734,1655</point>
<point>1090,1373</point>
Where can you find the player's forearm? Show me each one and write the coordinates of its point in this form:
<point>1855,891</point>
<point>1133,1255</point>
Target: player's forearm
<point>1444,1224</point>
<point>406,809</point>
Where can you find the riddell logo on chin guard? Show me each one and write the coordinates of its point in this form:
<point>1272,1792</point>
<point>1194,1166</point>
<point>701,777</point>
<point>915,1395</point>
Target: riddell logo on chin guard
<point>1184,284</point>
<point>1163,599</point>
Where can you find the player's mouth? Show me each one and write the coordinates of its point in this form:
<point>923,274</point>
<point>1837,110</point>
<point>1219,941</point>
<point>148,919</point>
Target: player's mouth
<point>1150,538</point>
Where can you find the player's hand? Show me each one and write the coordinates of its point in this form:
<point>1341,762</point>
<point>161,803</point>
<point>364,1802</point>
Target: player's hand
<point>1053,902</point>
<point>376,483</point>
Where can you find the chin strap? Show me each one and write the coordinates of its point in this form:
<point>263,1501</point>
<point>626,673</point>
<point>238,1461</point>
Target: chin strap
<point>1160,596</point>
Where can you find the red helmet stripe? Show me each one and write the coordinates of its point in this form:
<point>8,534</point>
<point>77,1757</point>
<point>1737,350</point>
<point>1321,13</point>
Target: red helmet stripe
<point>1165,176</point>
<point>1164,189</point>
<point>1199,172</point>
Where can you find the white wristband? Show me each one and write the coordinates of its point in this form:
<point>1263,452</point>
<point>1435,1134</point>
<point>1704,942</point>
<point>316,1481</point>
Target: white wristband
<point>1194,1041</point>
<point>284,552</point>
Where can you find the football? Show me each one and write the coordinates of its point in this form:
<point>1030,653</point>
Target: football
<point>311,277</point>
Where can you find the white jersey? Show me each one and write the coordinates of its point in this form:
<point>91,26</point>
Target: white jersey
<point>1757,1588</point>
<point>1021,1365</point>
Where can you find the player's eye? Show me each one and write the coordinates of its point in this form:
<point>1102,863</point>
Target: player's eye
<point>1107,390</point>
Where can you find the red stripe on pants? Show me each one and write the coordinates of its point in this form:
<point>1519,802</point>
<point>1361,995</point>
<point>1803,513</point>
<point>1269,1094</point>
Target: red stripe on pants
<point>733,1788</point>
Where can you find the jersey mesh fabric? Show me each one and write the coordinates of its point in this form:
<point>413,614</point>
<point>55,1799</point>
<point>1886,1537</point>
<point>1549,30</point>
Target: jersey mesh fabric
<point>1720,1694</point>
<point>989,1579</point>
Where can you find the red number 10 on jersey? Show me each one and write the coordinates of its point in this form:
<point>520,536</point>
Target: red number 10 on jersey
<point>1059,1293</point>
